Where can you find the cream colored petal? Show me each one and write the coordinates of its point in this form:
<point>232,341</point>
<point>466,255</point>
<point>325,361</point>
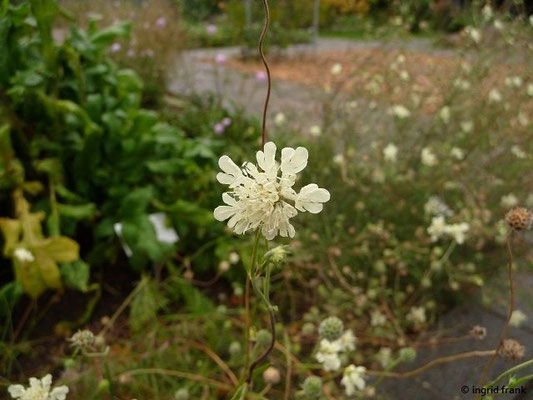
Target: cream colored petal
<point>16,391</point>
<point>266,159</point>
<point>293,161</point>
<point>59,393</point>
<point>231,172</point>
<point>222,213</point>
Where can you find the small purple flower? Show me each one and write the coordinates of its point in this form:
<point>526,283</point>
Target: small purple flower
<point>221,58</point>
<point>219,129</point>
<point>115,47</point>
<point>131,53</point>
<point>226,122</point>
<point>161,22</point>
<point>261,76</point>
<point>211,29</point>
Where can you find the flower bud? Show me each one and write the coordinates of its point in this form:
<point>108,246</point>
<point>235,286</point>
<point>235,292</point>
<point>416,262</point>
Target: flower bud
<point>407,354</point>
<point>263,338</point>
<point>235,348</point>
<point>331,328</point>
<point>181,394</point>
<point>271,375</point>
<point>312,387</point>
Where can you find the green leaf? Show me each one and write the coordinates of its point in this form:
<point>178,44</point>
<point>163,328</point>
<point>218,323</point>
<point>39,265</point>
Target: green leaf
<point>136,202</point>
<point>79,212</point>
<point>240,393</point>
<point>75,275</point>
<point>171,166</point>
<point>145,305</point>
<point>106,36</point>
<point>191,212</point>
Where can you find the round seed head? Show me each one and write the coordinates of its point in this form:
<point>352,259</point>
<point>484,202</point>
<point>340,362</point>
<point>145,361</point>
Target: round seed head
<point>511,350</point>
<point>331,328</point>
<point>519,218</point>
<point>312,387</point>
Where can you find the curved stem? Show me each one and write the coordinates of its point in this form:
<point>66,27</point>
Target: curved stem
<point>267,68</point>
<point>265,354</point>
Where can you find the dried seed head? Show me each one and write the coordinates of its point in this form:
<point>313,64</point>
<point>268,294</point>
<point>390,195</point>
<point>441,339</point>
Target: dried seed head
<point>512,350</point>
<point>312,387</point>
<point>84,340</point>
<point>519,218</point>
<point>478,332</point>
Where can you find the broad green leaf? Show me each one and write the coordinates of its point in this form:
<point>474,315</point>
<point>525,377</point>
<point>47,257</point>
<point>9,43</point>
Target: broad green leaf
<point>105,37</point>
<point>171,166</point>
<point>75,275</point>
<point>136,202</point>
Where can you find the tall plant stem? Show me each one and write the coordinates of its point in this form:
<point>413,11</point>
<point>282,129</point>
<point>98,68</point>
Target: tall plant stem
<point>249,274</point>
<point>503,335</point>
<point>267,68</point>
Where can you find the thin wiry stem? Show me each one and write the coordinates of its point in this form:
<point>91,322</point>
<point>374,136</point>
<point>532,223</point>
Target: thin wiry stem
<point>505,329</point>
<point>267,68</point>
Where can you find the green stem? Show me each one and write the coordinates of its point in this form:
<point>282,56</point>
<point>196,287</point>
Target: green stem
<point>510,371</point>
<point>521,380</point>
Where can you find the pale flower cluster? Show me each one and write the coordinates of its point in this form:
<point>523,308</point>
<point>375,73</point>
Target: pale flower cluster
<point>39,389</point>
<point>390,152</point>
<point>439,228</point>
<point>428,157</point>
<point>262,198</point>
<point>400,111</point>
<point>23,255</point>
<point>353,378</point>
<point>329,350</point>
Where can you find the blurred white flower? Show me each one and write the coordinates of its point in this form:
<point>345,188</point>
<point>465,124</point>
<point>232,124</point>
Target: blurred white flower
<point>377,318</point>
<point>523,119</point>
<point>404,75</point>
<point>338,159</point>
<point>328,355</point>
<point>390,152</point>
<point>315,130</point>
<point>428,157</point>
<point>347,341</point>
<point>498,25</point>
<point>164,232</point>
<point>518,152</point>
<point>531,20</point>
<point>513,81</point>
<point>517,318</point>
<point>473,33</point>
<point>417,315</point>
<point>400,59</point>
<point>353,378</point>
<point>530,89</point>
<point>509,200</point>
<point>280,119</point>
<point>435,206</point>
<point>437,229</point>
<point>39,389</point>
<point>336,69</point>
<point>400,111</point>
<point>234,257</point>
<point>462,84</point>
<point>467,126</point>
<point>23,255</point>
<point>261,199</point>
<point>458,231</point>
<point>445,114</point>
<point>495,96</point>
<point>457,153</point>
<point>384,356</point>
<point>486,11</point>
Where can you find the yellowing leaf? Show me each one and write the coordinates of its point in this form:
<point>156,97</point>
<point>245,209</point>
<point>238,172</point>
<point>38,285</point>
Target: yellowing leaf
<point>29,277</point>
<point>59,248</point>
<point>48,269</point>
<point>11,230</point>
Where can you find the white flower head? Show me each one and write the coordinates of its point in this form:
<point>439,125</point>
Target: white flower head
<point>347,341</point>
<point>377,318</point>
<point>517,318</point>
<point>315,131</point>
<point>280,119</point>
<point>473,33</point>
<point>457,153</point>
<point>458,231</point>
<point>336,69</point>
<point>435,206</point>
<point>390,152</point>
<point>262,198</point>
<point>399,111</point>
<point>486,11</point>
<point>509,200</point>
<point>495,96</point>
<point>328,354</point>
<point>445,114</point>
<point>353,377</point>
<point>39,389</point>
<point>530,89</point>
<point>417,315</point>
<point>23,255</point>
<point>518,152</point>
<point>437,229</point>
<point>467,126</point>
<point>428,157</point>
